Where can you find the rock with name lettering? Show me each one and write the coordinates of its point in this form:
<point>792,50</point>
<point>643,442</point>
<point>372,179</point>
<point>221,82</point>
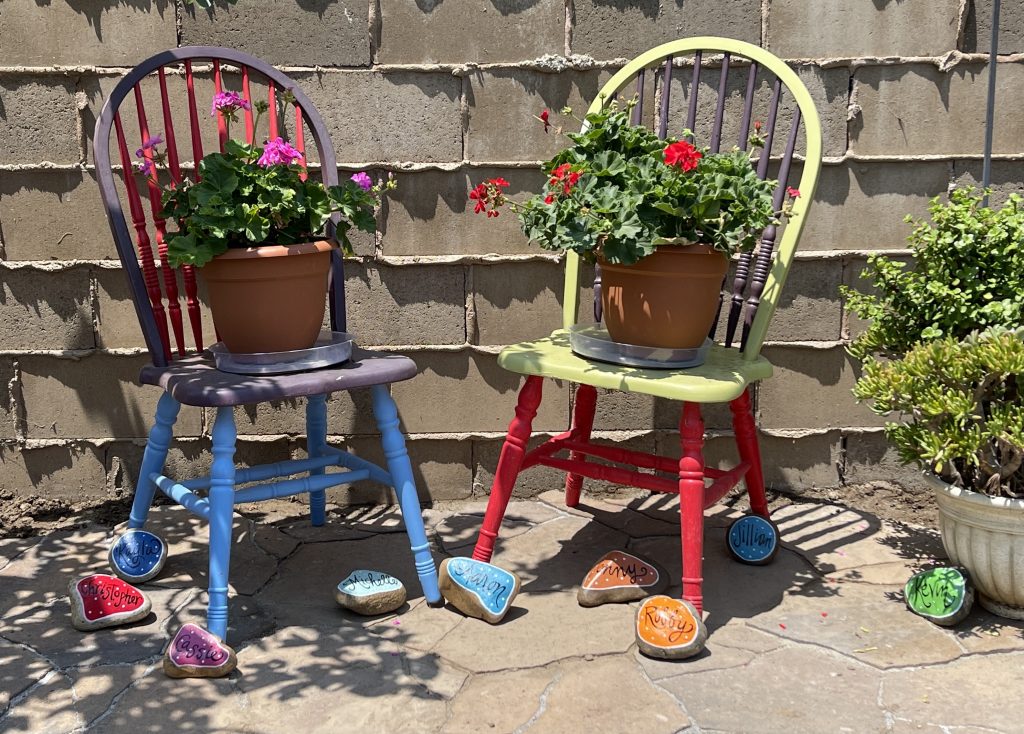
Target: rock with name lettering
<point>370,592</point>
<point>620,577</point>
<point>942,595</point>
<point>670,629</point>
<point>753,540</point>
<point>137,555</point>
<point>478,589</point>
<point>196,653</point>
<point>100,600</point>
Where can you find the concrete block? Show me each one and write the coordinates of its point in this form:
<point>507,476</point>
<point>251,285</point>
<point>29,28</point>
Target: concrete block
<point>91,32</point>
<point>474,31</point>
<point>42,309</point>
<point>861,205</point>
<point>809,308</point>
<point>54,215</point>
<point>869,457</point>
<point>1007,178</point>
<point>623,411</point>
<point>96,396</point>
<point>811,389</point>
<point>978,29</point>
<point>397,116</point>
<point>467,391</point>
<point>39,120</point>
<point>317,33</point>
<point>618,29</point>
<point>414,304</point>
<point>348,413</point>
<point>431,214</point>
<point>852,270</point>
<point>829,88</point>
<point>73,472</point>
<point>517,301</point>
<point>503,104</point>
<point>8,414</point>
<point>916,109</point>
<point>809,29</point>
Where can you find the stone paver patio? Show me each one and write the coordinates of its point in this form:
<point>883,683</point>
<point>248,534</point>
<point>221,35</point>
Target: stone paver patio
<point>819,641</point>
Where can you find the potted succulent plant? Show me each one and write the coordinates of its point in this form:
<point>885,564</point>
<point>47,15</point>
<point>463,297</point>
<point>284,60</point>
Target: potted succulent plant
<point>255,224</point>
<point>944,356</point>
<point>661,216</point>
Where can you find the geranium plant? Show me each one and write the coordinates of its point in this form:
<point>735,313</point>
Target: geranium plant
<point>619,191</point>
<point>252,195</point>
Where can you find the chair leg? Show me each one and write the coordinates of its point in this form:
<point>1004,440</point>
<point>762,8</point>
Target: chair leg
<point>510,461</point>
<point>402,479</point>
<point>691,502</point>
<point>582,425</point>
<point>221,496</point>
<point>153,458</point>
<point>316,442</point>
<point>746,441</point>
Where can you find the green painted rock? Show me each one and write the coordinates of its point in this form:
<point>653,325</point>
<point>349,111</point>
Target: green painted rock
<point>942,595</point>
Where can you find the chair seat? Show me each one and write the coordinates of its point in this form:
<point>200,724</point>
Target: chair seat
<point>196,381</point>
<point>722,378</point>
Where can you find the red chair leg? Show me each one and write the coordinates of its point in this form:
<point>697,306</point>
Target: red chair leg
<point>691,502</point>
<point>582,425</point>
<point>746,441</point>
<point>509,463</point>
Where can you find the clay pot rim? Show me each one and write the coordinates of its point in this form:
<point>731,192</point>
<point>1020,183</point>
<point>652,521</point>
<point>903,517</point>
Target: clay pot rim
<point>667,248</point>
<point>302,248</point>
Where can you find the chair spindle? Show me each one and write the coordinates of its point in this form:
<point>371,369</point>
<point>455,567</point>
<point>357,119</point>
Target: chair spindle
<point>716,131</point>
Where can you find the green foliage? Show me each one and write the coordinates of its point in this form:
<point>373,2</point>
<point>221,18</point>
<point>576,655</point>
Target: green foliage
<point>968,274</point>
<point>961,408</point>
<point>627,198</point>
<point>239,203</point>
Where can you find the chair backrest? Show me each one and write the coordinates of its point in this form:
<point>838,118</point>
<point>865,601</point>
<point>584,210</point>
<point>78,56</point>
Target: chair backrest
<point>758,276</point>
<point>190,76</point>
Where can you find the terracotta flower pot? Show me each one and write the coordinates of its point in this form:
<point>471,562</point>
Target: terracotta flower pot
<point>667,299</point>
<point>271,298</point>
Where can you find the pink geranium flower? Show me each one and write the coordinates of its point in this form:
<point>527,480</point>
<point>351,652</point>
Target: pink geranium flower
<point>228,103</point>
<point>278,152</point>
<point>362,180</point>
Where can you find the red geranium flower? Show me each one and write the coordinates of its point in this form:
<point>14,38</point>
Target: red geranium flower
<point>544,118</point>
<point>794,193</point>
<point>565,176</point>
<point>479,194</point>
<point>682,155</point>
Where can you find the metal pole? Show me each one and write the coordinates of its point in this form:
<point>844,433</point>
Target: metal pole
<point>990,112</point>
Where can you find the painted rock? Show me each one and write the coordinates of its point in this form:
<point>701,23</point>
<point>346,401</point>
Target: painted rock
<point>942,595</point>
<point>478,589</point>
<point>753,539</point>
<point>196,653</point>
<point>100,600</point>
<point>370,592</point>
<point>620,577</point>
<point>669,628</point>
<point>137,555</point>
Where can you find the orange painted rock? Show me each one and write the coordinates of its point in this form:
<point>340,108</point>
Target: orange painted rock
<point>669,628</point>
<point>620,577</point>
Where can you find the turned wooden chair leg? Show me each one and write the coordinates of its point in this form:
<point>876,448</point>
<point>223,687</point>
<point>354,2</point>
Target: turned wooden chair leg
<point>746,441</point>
<point>153,458</point>
<point>222,502</point>
<point>691,502</point>
<point>582,425</point>
<point>316,443</point>
<point>509,463</point>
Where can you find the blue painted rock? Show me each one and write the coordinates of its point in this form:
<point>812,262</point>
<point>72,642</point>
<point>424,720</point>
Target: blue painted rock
<point>670,629</point>
<point>620,577</point>
<point>942,595</point>
<point>370,592</point>
<point>100,600</point>
<point>137,555</point>
<point>196,653</point>
<point>478,589</point>
<point>753,539</point>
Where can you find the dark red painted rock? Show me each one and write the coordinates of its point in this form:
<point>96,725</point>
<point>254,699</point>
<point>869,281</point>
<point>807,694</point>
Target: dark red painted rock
<point>101,600</point>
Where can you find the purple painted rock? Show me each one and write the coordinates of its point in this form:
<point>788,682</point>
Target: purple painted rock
<point>670,629</point>
<point>620,577</point>
<point>478,589</point>
<point>196,653</point>
<point>101,600</point>
<point>370,592</point>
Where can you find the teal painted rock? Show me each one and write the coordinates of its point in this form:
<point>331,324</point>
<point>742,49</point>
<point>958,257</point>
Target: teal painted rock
<point>478,589</point>
<point>370,593</point>
<point>753,540</point>
<point>942,595</point>
<point>137,555</point>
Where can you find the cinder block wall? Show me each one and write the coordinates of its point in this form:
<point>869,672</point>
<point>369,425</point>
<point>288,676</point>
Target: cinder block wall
<point>441,93</point>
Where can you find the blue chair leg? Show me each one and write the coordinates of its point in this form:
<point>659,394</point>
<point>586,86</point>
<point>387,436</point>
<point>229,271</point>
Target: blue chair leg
<point>405,486</point>
<point>316,442</point>
<point>222,502</point>
<point>153,458</point>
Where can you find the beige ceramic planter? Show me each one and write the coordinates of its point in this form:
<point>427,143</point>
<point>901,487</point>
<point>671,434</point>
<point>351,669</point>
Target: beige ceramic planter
<point>985,535</point>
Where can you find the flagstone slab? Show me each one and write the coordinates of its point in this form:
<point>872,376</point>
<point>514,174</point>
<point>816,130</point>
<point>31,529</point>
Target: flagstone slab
<point>473,710</point>
<point>795,689</point>
<point>729,647</point>
<point>618,516</point>
<point>983,631</point>
<point>19,669</point>
<point>41,574</point>
<point>419,628</point>
<point>247,619</point>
